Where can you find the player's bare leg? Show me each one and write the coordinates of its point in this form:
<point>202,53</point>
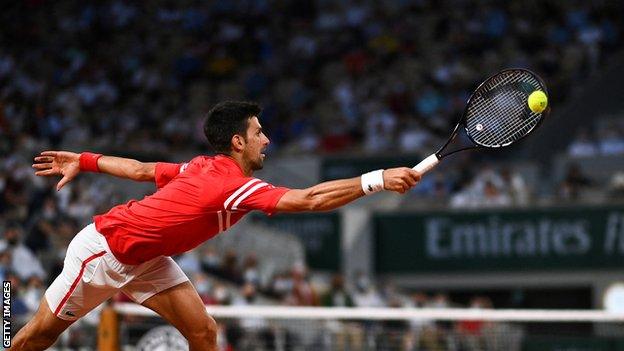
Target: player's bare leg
<point>183,308</point>
<point>41,331</point>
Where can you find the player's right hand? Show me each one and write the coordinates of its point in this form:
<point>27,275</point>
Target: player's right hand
<point>400,179</point>
<point>63,163</point>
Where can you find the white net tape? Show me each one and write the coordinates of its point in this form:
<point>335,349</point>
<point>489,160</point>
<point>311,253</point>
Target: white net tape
<point>446,314</point>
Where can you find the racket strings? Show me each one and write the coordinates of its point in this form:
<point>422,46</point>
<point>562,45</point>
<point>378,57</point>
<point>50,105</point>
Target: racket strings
<point>504,125</point>
<point>512,132</point>
<point>499,131</point>
<point>507,129</point>
<point>499,115</point>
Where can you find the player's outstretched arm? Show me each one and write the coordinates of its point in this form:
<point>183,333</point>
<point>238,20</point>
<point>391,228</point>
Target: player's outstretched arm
<point>333,194</point>
<point>69,164</point>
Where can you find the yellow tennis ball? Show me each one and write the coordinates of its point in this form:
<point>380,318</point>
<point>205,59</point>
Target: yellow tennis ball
<point>538,101</point>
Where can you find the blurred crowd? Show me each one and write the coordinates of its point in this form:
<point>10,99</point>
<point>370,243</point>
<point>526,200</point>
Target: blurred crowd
<point>227,279</point>
<point>606,140</point>
<point>136,78</point>
<point>472,185</point>
<point>362,76</point>
<point>332,76</point>
<point>600,140</point>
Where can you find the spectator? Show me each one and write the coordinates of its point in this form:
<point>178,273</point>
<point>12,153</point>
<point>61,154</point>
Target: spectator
<point>349,333</point>
<point>366,294</point>
<point>210,261</point>
<point>203,287</point>
<point>282,285</point>
<point>611,141</point>
<point>422,333</point>
<point>413,137</point>
<point>5,261</point>
<point>251,275</point>
<point>515,185</point>
<point>229,268</point>
<point>33,293</point>
<point>380,127</point>
<point>44,224</point>
<point>189,262</point>
<point>471,332</point>
<point>19,309</point>
<point>573,183</point>
<point>303,293</point>
<point>486,189</point>
<point>494,196</point>
<point>23,262</point>
<point>583,145</point>
<point>337,296</point>
<point>257,331</point>
<point>221,295</point>
<point>616,186</point>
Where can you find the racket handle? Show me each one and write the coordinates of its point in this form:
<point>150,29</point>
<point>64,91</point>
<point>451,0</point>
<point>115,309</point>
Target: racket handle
<point>427,164</point>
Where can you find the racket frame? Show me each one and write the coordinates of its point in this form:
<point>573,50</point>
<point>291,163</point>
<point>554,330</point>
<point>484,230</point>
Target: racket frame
<point>433,159</point>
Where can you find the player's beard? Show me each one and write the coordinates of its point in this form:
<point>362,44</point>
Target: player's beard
<point>257,164</point>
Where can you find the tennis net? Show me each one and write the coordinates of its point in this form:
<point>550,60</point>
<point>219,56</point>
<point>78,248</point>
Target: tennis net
<point>309,328</point>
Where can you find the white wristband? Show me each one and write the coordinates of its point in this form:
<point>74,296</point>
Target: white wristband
<point>373,182</point>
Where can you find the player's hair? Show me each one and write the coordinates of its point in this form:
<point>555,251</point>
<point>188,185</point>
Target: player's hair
<point>227,119</point>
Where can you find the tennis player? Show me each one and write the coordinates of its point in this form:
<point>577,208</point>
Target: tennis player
<point>128,249</point>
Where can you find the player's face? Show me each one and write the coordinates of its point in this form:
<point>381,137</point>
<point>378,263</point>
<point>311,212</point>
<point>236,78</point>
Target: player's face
<point>256,143</point>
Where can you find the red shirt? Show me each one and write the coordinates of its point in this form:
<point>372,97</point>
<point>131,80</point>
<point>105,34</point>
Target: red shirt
<point>194,202</point>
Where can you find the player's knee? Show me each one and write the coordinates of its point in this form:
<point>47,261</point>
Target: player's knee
<point>206,331</point>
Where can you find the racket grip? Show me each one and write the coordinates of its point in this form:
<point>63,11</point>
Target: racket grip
<point>427,164</point>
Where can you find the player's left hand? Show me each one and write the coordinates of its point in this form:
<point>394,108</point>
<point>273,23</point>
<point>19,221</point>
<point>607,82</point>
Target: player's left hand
<point>64,163</point>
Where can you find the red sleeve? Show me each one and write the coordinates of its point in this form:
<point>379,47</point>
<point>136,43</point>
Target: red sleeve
<point>164,172</point>
<point>264,199</point>
<point>256,195</point>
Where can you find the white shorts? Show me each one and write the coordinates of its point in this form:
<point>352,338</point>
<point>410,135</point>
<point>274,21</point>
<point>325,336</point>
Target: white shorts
<point>91,275</point>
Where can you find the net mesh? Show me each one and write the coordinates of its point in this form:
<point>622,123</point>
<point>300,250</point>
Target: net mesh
<point>498,113</point>
<point>289,328</point>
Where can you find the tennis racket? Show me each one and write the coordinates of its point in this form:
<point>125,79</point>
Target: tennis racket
<point>496,115</point>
